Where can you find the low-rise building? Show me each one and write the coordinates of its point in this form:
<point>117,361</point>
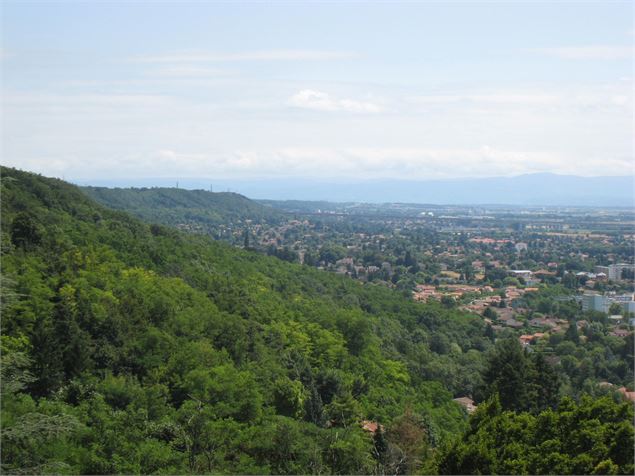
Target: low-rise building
<point>467,403</point>
<point>627,394</point>
<point>520,273</point>
<point>514,324</point>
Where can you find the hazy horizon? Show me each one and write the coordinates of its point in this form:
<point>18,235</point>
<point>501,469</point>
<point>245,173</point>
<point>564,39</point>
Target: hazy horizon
<point>355,91</point>
<point>542,189</point>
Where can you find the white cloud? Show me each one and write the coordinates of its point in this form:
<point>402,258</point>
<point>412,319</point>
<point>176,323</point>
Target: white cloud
<point>351,163</point>
<point>403,162</point>
<point>409,163</point>
<point>321,101</point>
<point>581,130</point>
<point>265,55</point>
<point>593,52</point>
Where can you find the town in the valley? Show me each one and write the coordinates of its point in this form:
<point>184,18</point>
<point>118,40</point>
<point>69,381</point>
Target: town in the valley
<point>547,275</point>
<point>557,279</point>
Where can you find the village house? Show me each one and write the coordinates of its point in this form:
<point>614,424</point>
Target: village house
<point>526,339</point>
<point>371,426</point>
<point>467,403</point>
<point>513,323</point>
<point>620,333</point>
<point>543,322</point>
<point>543,273</point>
<point>627,394</point>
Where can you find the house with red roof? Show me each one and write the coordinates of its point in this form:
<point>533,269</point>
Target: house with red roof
<point>627,394</point>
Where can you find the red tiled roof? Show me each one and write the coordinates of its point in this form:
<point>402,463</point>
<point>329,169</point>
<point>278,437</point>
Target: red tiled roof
<point>371,426</point>
<point>628,395</point>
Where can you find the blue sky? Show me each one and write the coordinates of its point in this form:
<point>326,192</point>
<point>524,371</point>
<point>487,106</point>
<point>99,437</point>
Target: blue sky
<point>416,90</point>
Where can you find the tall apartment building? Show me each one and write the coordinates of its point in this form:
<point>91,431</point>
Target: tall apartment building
<point>595,302</point>
<point>614,271</point>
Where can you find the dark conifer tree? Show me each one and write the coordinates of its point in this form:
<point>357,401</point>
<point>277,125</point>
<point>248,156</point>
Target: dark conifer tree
<point>507,374</point>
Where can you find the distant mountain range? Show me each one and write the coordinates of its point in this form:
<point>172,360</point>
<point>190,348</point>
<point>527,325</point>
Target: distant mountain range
<point>532,189</point>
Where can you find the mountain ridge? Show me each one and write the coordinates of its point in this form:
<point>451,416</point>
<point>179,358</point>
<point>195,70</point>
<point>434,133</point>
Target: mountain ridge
<point>539,189</point>
<point>195,209</point>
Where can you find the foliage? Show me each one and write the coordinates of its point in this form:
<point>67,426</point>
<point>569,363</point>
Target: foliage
<point>216,359</point>
<point>522,381</point>
<point>590,437</point>
<point>135,348</point>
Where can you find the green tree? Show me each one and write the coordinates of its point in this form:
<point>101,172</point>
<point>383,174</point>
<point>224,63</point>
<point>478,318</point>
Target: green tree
<point>408,439</point>
<point>246,239</point>
<point>489,332</point>
<point>545,382</point>
<point>289,397</point>
<point>571,333</point>
<point>490,313</point>
<point>615,309</point>
<point>507,375</point>
<point>586,438</point>
<point>26,232</point>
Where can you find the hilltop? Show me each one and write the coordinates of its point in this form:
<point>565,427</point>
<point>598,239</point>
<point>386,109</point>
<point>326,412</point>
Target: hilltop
<point>197,210</point>
<point>537,189</point>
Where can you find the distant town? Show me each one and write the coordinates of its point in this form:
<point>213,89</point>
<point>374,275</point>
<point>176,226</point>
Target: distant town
<point>525,270</point>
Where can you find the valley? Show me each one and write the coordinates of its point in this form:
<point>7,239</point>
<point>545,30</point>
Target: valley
<point>304,340</point>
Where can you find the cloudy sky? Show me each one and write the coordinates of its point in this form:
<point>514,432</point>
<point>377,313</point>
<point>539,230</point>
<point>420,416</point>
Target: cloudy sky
<point>418,90</point>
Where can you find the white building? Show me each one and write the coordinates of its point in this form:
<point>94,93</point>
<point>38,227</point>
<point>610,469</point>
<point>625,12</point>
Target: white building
<point>614,271</point>
<point>520,273</point>
<point>595,302</point>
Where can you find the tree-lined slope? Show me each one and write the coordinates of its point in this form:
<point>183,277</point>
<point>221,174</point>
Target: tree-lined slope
<point>197,210</point>
<point>135,348</point>
<point>594,436</point>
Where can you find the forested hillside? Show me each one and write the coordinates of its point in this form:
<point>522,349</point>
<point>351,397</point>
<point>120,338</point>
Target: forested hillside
<point>135,348</point>
<point>196,210</point>
<point>217,359</point>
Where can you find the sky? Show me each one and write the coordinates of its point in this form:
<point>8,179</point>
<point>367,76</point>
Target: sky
<point>330,90</point>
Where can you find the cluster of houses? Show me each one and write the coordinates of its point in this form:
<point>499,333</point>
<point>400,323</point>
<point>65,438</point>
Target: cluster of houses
<point>347,266</point>
<point>527,339</point>
<point>425,292</point>
<point>504,315</point>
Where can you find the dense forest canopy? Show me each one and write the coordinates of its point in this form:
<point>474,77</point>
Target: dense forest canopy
<point>135,348</point>
<point>196,210</point>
